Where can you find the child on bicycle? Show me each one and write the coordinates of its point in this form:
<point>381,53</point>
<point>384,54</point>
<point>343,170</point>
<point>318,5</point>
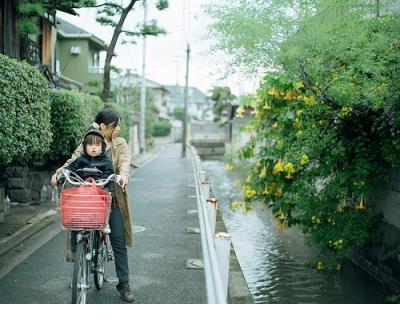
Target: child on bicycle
<point>93,157</point>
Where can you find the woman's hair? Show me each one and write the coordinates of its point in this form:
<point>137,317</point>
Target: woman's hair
<point>108,116</point>
<point>93,138</point>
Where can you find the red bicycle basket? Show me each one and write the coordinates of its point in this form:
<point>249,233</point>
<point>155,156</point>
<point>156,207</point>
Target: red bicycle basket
<point>85,208</point>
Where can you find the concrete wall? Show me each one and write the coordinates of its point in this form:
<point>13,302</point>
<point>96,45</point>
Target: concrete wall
<point>383,261</point>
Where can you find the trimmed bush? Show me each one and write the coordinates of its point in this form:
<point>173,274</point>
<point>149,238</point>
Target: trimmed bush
<point>161,129</point>
<point>25,132</point>
<point>72,113</point>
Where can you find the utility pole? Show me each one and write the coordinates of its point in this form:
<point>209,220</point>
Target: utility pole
<point>185,110</point>
<point>142,144</point>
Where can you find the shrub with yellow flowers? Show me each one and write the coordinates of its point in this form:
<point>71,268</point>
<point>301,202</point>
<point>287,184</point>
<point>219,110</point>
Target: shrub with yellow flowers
<point>316,166</point>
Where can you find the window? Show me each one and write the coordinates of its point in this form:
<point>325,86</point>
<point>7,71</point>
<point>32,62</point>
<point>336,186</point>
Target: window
<point>94,64</point>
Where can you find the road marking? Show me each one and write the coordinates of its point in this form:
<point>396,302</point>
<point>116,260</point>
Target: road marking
<point>194,263</point>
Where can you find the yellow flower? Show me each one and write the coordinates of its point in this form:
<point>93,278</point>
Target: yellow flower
<point>249,192</point>
<point>249,179</point>
<point>289,169</point>
<point>275,126</point>
<point>239,112</point>
<point>338,267</point>
<point>290,95</point>
<point>320,266</point>
<point>279,167</point>
<point>309,100</point>
<point>229,167</point>
<point>258,164</point>
<point>361,205</point>
<point>234,204</point>
<point>280,216</point>
<point>247,208</point>
<point>263,173</point>
<point>279,192</point>
<point>299,85</point>
<point>304,159</point>
<point>274,92</point>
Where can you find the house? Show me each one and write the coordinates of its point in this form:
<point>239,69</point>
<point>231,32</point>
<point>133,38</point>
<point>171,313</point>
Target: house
<point>78,56</point>
<point>199,105</point>
<point>39,49</point>
<point>121,83</point>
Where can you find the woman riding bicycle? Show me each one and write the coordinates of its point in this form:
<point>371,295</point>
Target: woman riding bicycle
<point>108,121</point>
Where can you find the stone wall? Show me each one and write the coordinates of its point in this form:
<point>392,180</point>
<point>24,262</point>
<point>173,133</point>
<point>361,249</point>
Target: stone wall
<point>24,186</point>
<point>2,196</point>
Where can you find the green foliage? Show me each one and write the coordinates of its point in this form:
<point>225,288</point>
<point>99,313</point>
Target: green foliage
<point>326,124</point>
<point>162,4</point>
<point>178,113</point>
<point>24,113</point>
<point>315,166</point>
<point>131,97</point>
<point>161,128</point>
<point>72,113</point>
<point>222,98</point>
<point>30,11</point>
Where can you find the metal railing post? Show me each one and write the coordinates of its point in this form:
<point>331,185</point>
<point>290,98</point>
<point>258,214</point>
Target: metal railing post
<point>205,185</point>
<point>222,242</point>
<point>202,176</point>
<point>212,213</point>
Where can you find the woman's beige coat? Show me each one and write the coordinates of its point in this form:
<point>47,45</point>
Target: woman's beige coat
<point>122,165</point>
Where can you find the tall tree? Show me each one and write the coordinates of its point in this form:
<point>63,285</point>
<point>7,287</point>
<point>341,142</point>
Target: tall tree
<point>112,10</point>
<point>222,98</point>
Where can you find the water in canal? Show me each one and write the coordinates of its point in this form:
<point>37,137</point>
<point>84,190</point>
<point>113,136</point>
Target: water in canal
<point>273,259</point>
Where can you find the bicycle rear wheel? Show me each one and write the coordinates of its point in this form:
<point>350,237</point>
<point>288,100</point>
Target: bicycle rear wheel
<point>99,260</point>
<point>80,275</point>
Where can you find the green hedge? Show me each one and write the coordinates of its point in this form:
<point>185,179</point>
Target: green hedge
<point>25,133</point>
<point>72,113</point>
<point>161,129</point>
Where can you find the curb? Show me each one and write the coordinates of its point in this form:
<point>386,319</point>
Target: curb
<point>238,290</point>
<point>37,223</point>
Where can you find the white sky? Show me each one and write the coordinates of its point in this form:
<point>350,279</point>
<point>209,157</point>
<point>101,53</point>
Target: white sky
<point>184,21</point>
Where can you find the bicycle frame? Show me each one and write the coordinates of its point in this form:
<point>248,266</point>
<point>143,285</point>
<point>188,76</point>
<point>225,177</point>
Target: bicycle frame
<point>91,245</point>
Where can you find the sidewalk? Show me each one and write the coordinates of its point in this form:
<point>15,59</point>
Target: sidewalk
<point>25,220</point>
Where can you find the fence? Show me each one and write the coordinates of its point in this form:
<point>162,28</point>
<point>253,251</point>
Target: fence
<point>215,247</point>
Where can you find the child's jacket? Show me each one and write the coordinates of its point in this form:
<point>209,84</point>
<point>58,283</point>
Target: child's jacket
<point>102,162</point>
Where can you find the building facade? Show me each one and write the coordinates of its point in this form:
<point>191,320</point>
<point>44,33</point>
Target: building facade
<point>199,105</point>
<point>78,56</point>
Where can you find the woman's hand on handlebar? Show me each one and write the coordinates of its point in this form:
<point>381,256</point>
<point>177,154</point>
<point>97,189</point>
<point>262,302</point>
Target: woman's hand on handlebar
<point>124,181</point>
<point>54,179</point>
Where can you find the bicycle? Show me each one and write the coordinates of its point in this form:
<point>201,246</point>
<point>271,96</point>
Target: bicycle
<point>86,209</point>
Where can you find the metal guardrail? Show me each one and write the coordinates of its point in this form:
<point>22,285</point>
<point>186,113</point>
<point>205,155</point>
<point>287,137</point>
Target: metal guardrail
<point>215,247</point>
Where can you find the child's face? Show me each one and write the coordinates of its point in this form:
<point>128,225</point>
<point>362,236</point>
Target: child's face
<point>93,149</point>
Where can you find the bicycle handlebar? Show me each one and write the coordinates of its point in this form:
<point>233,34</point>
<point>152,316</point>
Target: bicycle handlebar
<point>66,173</point>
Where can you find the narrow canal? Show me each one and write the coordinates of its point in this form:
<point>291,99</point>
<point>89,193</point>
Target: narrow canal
<point>273,259</point>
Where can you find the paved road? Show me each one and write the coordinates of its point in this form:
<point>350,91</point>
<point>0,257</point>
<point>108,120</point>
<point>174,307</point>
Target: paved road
<point>162,204</point>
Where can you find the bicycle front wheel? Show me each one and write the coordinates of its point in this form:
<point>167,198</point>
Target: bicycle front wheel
<point>99,260</point>
<point>80,277</point>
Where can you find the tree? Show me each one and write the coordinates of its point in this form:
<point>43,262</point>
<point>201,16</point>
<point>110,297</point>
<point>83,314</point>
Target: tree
<point>178,113</point>
<point>222,98</point>
<point>108,11</point>
<point>30,10</point>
